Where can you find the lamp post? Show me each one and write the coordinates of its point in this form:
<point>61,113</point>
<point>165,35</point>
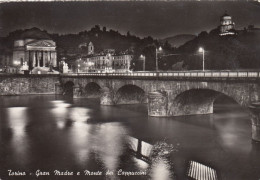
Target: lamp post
<point>143,57</point>
<point>156,56</point>
<point>78,67</point>
<point>201,50</point>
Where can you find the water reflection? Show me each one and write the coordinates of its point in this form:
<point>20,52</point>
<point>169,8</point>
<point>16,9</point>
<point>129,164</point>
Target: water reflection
<point>17,119</point>
<point>160,169</point>
<point>154,158</point>
<point>230,133</point>
<point>80,141</point>
<point>60,112</point>
<point>60,134</point>
<point>109,140</point>
<point>79,114</point>
<point>105,140</point>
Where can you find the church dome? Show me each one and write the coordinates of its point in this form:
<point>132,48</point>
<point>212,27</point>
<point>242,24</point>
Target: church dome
<point>35,33</point>
<point>225,17</point>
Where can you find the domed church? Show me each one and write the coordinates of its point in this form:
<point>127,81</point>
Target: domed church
<point>36,48</point>
<point>227,26</point>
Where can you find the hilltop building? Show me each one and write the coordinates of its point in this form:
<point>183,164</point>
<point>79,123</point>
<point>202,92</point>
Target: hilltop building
<point>227,26</point>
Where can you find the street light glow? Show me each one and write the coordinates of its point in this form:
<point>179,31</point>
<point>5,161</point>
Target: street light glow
<point>201,49</point>
<point>156,57</point>
<point>16,62</point>
<point>143,57</point>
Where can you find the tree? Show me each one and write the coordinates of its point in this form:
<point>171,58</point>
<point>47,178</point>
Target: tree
<point>203,34</point>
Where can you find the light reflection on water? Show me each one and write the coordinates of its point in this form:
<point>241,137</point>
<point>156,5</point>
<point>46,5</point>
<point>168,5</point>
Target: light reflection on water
<point>17,120</point>
<point>48,132</point>
<point>160,169</point>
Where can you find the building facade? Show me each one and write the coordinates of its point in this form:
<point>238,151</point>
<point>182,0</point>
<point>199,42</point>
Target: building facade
<point>227,26</point>
<point>106,61</point>
<point>34,48</point>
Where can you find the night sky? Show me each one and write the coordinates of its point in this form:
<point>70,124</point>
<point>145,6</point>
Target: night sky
<point>156,19</point>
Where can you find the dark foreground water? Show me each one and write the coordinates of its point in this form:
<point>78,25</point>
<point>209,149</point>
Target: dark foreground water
<point>58,138</point>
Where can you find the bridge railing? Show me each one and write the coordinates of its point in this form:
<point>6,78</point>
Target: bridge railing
<point>193,74</point>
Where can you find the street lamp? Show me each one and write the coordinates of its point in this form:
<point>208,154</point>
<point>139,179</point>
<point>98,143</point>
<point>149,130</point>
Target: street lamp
<point>201,50</point>
<point>143,57</point>
<point>78,67</point>
<point>156,57</point>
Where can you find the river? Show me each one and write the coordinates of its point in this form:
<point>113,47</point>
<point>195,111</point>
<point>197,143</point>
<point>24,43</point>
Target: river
<point>56,137</point>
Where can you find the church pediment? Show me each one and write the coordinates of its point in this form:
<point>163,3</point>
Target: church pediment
<point>40,43</point>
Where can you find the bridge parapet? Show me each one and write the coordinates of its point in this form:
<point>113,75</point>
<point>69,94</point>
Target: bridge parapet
<point>210,75</point>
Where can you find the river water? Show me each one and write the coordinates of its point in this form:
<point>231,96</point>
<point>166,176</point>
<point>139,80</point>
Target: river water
<point>55,137</point>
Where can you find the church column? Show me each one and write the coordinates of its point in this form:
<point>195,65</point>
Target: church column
<point>42,59</point>
<point>33,59</point>
<point>54,59</point>
<point>29,59</point>
<point>45,58</point>
<point>27,56</point>
<point>50,58</point>
<point>36,59</point>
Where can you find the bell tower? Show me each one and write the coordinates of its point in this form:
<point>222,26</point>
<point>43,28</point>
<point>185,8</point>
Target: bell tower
<point>90,48</point>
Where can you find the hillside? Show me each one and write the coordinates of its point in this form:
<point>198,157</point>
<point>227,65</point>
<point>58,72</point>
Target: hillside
<point>178,40</point>
<point>68,45</point>
<point>229,52</point>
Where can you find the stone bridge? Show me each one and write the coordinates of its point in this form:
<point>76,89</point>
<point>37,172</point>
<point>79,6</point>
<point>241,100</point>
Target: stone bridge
<point>170,94</point>
<point>14,84</point>
<point>177,95</point>
<point>167,93</point>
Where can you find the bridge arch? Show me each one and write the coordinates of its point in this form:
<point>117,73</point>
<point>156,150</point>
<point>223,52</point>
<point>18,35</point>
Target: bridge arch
<point>130,94</point>
<point>196,101</point>
<point>68,88</point>
<point>92,90</point>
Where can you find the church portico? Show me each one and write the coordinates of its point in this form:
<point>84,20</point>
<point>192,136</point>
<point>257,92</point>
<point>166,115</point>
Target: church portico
<point>43,54</point>
<point>39,58</point>
<point>35,49</point>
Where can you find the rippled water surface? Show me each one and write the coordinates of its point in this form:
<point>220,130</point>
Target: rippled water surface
<point>48,133</point>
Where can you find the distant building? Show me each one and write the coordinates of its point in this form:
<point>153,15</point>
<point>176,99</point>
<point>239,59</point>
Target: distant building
<point>106,61</point>
<point>227,26</point>
<point>251,28</point>
<point>90,48</point>
<point>121,62</point>
<point>36,48</point>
